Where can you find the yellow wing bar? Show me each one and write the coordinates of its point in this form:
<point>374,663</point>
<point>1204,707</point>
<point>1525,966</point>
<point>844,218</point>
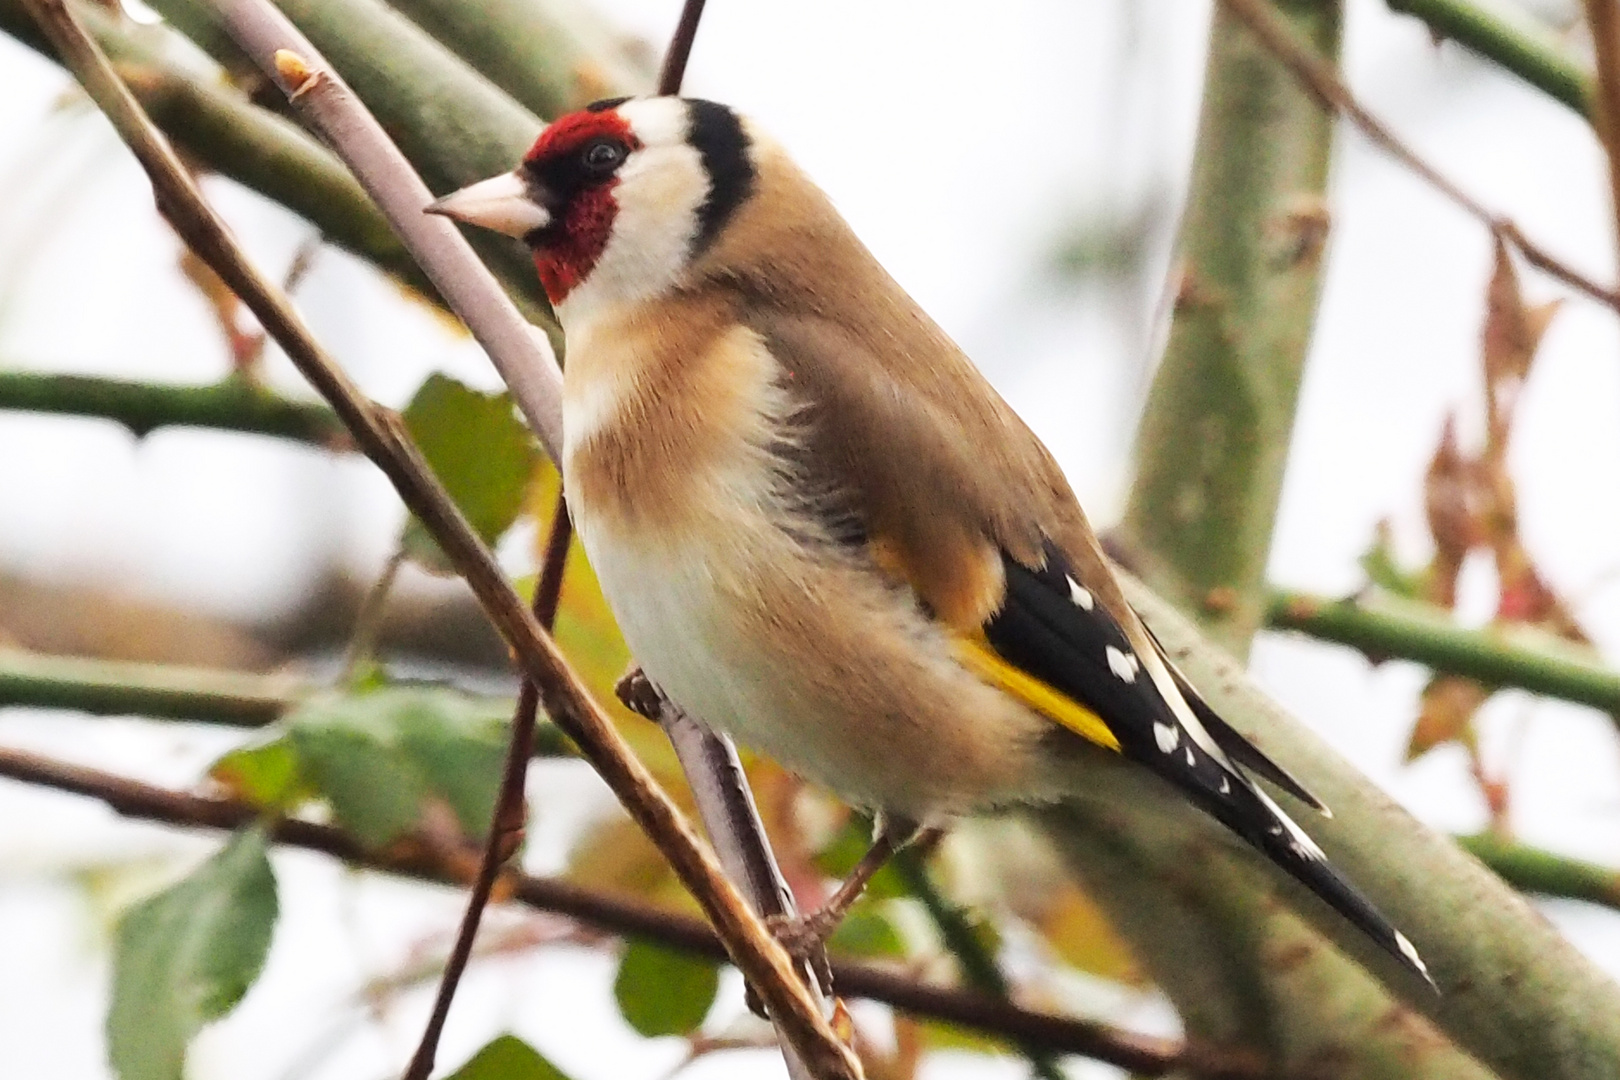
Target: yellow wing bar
<point>978,657</point>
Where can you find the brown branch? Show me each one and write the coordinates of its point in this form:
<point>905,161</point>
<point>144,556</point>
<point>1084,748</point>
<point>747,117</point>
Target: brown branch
<point>680,48</point>
<point>382,437</point>
<point>1144,1055</point>
<point>1603,20</point>
<point>506,824</point>
<point>1323,82</point>
<point>709,761</point>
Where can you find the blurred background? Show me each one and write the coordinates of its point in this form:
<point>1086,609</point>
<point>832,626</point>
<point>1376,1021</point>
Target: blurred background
<point>1021,169</point>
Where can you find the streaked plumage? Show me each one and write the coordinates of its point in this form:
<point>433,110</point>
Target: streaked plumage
<point>820,528</point>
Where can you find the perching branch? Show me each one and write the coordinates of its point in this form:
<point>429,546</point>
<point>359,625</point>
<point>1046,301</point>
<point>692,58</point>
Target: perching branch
<point>1532,57</point>
<point>1428,635</point>
<point>1144,1055</point>
<point>382,437</point>
<point>1324,83</point>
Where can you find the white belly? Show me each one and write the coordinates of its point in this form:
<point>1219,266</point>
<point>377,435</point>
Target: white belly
<point>671,605</point>
<point>733,607</point>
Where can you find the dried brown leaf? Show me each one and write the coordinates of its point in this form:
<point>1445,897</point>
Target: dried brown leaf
<point>1449,705</point>
<point>1450,503</point>
<point>1511,336</point>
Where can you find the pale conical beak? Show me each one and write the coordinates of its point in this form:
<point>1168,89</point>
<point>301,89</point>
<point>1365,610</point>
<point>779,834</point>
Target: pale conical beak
<point>506,203</point>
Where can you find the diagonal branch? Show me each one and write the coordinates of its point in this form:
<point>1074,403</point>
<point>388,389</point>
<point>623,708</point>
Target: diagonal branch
<point>1429,636</point>
<point>1530,56</point>
<point>381,436</point>
<point>1144,1055</point>
<point>1324,83</point>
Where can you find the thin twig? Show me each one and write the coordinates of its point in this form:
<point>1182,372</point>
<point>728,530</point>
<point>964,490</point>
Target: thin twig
<point>1323,82</point>
<point>680,48</point>
<point>1603,20</point>
<point>506,824</point>
<point>368,623</point>
<point>1144,1055</point>
<point>382,436</point>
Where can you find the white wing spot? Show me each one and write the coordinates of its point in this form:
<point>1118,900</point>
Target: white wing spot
<point>1123,664</point>
<point>1192,762</point>
<point>1080,595</point>
<point>1226,786</point>
<point>1167,736</point>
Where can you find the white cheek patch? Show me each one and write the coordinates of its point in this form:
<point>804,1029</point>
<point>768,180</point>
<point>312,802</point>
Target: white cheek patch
<point>659,192</point>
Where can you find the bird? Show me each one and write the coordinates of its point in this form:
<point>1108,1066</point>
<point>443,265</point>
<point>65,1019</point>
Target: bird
<point>819,527</point>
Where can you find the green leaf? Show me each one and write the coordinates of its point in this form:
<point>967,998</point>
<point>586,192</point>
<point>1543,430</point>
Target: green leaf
<point>479,449</point>
<point>664,992</point>
<point>508,1058</point>
<point>348,752</point>
<point>377,757</point>
<point>865,932</point>
<point>458,743</point>
<point>266,775</point>
<point>187,955</point>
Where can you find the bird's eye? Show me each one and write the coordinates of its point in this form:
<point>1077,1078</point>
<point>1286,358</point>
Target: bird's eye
<point>603,156</point>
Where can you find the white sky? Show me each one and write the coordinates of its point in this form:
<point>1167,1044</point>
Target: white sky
<point>947,136</point>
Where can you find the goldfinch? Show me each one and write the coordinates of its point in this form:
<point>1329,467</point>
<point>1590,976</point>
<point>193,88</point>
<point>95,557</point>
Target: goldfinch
<point>819,527</point>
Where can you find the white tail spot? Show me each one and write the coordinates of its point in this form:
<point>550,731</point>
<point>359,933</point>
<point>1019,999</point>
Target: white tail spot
<point>1409,951</point>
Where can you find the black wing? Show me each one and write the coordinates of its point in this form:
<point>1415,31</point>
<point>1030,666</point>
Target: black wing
<point>1050,626</point>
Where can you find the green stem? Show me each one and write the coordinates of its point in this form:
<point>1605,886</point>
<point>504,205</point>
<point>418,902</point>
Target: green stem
<point>1411,631</point>
<point>978,964</point>
<point>159,691</point>
<point>230,405</point>
<point>1544,873</point>
<point>1510,45</point>
<point>1214,435</point>
<point>552,56</point>
<point>174,692</point>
